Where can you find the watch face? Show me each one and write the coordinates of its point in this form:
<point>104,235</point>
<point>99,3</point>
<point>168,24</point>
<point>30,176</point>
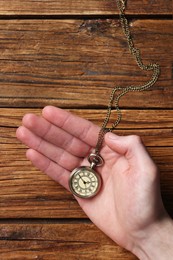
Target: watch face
<point>84,182</point>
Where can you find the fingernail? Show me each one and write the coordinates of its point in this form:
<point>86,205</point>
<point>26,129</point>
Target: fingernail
<point>112,136</point>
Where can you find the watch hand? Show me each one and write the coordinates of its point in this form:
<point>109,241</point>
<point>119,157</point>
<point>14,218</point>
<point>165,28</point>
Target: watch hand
<point>82,179</point>
<point>84,182</point>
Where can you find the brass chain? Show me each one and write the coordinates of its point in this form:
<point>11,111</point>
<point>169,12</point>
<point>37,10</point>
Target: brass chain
<point>121,4</point>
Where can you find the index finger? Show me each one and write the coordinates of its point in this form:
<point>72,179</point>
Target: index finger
<point>73,124</point>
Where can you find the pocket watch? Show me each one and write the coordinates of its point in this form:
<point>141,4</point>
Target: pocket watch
<point>84,181</point>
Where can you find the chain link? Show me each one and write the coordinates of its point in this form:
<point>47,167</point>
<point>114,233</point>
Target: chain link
<point>121,4</point>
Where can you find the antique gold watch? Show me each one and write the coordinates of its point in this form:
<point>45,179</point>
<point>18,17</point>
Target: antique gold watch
<point>84,182</point>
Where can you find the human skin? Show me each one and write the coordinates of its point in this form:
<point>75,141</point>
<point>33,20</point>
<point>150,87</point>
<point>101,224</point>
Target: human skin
<point>129,207</point>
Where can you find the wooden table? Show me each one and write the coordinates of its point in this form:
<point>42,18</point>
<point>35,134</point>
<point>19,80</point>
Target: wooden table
<point>70,54</point>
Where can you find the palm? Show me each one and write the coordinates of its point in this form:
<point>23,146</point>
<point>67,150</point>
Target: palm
<point>60,142</point>
<point>108,209</point>
<point>102,208</point>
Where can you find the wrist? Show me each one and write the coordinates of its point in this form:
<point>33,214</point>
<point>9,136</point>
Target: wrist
<point>156,242</point>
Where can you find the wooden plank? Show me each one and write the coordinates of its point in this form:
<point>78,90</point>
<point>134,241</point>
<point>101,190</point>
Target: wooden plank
<point>131,119</point>
<point>81,7</point>
<point>76,63</point>
<point>27,193</point>
<point>57,241</point>
<point>154,126</point>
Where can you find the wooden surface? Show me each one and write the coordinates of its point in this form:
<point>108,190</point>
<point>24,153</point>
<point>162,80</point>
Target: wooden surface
<point>70,54</point>
<point>82,7</point>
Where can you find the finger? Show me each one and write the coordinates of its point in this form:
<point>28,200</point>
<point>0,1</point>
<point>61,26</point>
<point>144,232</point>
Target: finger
<point>54,153</point>
<point>53,170</point>
<point>132,148</point>
<point>76,126</point>
<point>55,135</point>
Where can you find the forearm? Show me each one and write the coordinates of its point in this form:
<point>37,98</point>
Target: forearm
<point>157,242</point>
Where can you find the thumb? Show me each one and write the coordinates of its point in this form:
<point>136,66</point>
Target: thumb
<point>132,148</point>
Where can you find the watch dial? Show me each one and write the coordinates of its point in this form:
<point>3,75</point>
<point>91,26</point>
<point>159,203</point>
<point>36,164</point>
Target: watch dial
<point>84,182</point>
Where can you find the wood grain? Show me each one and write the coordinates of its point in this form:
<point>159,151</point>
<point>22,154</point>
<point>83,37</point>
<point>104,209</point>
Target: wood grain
<point>27,193</point>
<point>131,118</point>
<point>76,63</point>
<point>57,241</point>
<point>82,7</point>
<point>154,126</point>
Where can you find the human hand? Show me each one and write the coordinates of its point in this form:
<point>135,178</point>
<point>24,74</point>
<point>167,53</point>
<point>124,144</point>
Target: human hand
<point>129,203</point>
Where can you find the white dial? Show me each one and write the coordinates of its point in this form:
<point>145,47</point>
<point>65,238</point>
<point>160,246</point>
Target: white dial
<point>84,182</point>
